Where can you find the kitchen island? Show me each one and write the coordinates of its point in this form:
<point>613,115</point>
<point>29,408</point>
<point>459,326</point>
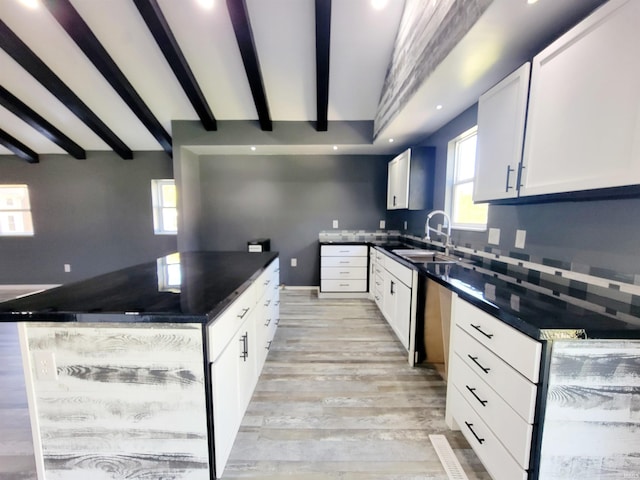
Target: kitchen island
<point>121,368</point>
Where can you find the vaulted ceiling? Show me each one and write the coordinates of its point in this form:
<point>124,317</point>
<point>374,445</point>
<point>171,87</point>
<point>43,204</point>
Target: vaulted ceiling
<point>84,75</point>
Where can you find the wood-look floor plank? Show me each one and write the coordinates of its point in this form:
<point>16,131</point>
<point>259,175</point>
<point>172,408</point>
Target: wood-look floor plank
<point>337,400</point>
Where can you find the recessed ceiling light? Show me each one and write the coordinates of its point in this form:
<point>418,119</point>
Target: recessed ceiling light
<point>253,149</point>
<point>33,4</point>
<point>379,4</point>
<point>206,4</point>
<point>438,107</point>
<point>391,140</point>
<point>335,147</point>
<point>531,2</point>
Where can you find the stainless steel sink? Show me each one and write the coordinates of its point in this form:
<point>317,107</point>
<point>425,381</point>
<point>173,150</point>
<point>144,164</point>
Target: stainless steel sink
<point>416,255</point>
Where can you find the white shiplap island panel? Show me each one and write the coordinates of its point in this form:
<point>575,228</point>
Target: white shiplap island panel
<point>592,417</point>
<point>128,401</point>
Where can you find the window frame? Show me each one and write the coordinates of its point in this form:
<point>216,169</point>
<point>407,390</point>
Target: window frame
<point>452,182</point>
<point>5,210</point>
<point>159,207</point>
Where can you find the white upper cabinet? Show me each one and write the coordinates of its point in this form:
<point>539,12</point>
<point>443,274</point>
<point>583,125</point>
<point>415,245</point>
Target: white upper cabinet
<point>583,123</point>
<point>410,180</point>
<point>398,182</point>
<point>501,118</point>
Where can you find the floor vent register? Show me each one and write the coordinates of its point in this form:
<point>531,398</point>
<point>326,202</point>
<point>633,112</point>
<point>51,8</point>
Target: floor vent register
<point>447,458</point>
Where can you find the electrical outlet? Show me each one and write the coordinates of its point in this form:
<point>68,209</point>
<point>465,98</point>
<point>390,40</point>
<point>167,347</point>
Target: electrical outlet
<point>67,267</point>
<point>45,363</point>
<point>382,224</point>
<point>521,236</point>
<point>494,236</point>
<point>335,224</point>
<point>405,224</point>
<point>294,262</point>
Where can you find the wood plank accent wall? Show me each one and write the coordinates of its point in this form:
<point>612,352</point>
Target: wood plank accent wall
<point>428,32</point>
<point>592,421</point>
<point>129,401</point>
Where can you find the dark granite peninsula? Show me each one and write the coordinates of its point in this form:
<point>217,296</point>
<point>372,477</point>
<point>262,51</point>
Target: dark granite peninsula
<point>137,373</point>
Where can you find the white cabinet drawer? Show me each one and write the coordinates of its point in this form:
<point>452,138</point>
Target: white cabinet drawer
<point>223,328</point>
<point>344,261</point>
<point>515,389</point>
<point>512,431</point>
<point>343,285</point>
<point>267,279</point>
<point>343,250</point>
<point>337,273</point>
<point>495,458</point>
<point>515,348</point>
<point>402,273</point>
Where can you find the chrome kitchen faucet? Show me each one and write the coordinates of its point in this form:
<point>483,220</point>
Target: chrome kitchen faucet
<point>428,229</point>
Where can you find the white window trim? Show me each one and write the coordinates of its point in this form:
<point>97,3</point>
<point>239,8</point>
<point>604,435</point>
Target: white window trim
<point>158,207</point>
<point>450,176</point>
<point>20,233</point>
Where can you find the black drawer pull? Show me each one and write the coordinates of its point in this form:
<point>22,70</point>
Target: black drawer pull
<point>268,347</point>
<point>469,425</point>
<point>479,328</point>
<point>267,303</point>
<point>244,312</point>
<point>268,322</point>
<point>475,360</point>
<point>473,392</point>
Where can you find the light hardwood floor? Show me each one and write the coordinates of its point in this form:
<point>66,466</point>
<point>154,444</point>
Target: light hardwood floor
<point>336,400</point>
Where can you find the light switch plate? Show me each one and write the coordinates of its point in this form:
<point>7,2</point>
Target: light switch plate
<point>382,224</point>
<point>521,236</point>
<point>335,224</point>
<point>494,236</point>
<point>67,267</point>
<point>294,262</point>
<point>405,224</point>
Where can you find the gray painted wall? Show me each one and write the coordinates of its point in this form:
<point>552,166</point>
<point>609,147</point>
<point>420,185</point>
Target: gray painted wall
<point>94,214</point>
<point>600,233</point>
<point>289,199</point>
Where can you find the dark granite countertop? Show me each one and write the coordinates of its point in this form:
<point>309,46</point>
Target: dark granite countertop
<point>540,311</point>
<point>206,284</point>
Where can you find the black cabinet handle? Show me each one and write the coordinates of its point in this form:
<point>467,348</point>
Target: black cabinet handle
<point>245,346</point>
<point>479,329</point>
<point>520,169</point>
<point>475,360</point>
<point>469,425</point>
<point>244,312</point>
<point>392,291</point>
<point>268,322</point>
<point>268,347</point>
<point>267,303</point>
<point>473,392</point>
<point>509,170</point>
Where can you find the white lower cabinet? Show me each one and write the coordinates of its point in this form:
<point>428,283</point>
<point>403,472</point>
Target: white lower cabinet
<point>394,295</point>
<point>239,340</point>
<point>343,270</point>
<point>492,389</point>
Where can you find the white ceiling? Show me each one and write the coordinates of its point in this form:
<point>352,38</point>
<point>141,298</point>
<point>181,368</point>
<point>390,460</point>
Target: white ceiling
<point>284,33</point>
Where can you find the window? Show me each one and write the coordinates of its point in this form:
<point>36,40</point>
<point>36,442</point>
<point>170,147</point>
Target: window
<point>165,212</point>
<point>460,177</point>
<point>15,211</point>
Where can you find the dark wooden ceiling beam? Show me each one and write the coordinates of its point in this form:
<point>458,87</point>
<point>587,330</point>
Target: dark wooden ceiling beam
<point>69,18</point>
<point>17,147</point>
<point>323,44</point>
<point>29,116</point>
<point>159,28</point>
<point>244,36</point>
<point>22,54</point>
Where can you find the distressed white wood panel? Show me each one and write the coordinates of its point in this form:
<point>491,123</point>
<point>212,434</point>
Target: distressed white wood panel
<point>129,401</point>
<point>592,420</point>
